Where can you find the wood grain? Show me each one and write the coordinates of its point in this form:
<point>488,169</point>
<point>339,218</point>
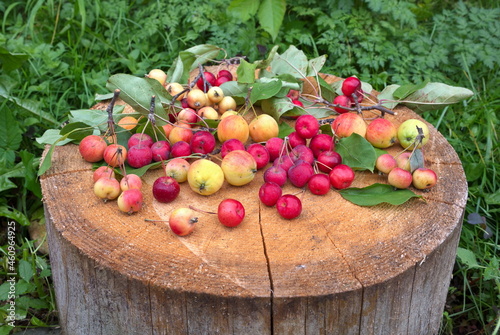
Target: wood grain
<point>337,269</point>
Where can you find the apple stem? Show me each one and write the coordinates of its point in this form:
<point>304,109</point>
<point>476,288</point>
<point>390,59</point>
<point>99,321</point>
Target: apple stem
<point>150,220</point>
<point>200,210</point>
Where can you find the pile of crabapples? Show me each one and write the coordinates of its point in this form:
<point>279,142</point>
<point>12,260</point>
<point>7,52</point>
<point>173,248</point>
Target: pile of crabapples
<point>191,153</point>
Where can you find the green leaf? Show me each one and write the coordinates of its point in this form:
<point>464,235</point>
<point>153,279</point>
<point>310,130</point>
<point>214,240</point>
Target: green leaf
<point>189,59</point>
<point>52,136</point>
<point>327,92</point>
<point>315,65</point>
<point>77,130</point>
<point>28,106</point>
<point>285,129</point>
<point>492,198</point>
<point>246,72</point>
<point>15,215</point>
<point>10,137</point>
<point>357,152</point>
<point>243,10</point>
<point>276,106</point>
<point>376,194</point>
<point>264,89</point>
<point>467,257</point>
<point>405,90</point>
<point>234,89</point>
<point>270,16</point>
<point>436,96</point>
<point>263,64</point>
<point>25,270</point>
<point>137,92</point>
<point>386,97</point>
<point>17,171</point>
<point>12,61</point>
<point>30,164</point>
<point>292,62</point>
<point>103,97</point>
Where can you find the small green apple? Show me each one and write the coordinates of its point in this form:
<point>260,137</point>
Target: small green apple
<point>408,132</point>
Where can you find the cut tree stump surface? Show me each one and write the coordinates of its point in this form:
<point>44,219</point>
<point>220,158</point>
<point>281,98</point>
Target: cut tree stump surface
<point>336,269</point>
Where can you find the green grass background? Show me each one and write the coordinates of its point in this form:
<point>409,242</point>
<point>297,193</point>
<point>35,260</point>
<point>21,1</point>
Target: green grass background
<point>56,55</point>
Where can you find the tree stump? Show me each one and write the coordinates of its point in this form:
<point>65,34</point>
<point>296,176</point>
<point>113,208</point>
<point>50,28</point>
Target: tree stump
<point>337,269</point>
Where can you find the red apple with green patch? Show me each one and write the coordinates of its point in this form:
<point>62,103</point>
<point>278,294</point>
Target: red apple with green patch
<point>348,123</point>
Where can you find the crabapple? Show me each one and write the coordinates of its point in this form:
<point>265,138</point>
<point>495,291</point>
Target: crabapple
<point>107,188</point>
<point>348,123</point>
<point>269,193</point>
<point>423,178</point>
<point>210,81</point>
<point>341,176</point>
<point>319,184</point>
<point>180,149</point>
<point>130,201</point>
<point>159,75</point>
<point>103,171</point>
<point>139,155</point>
<point>259,153</point>
<point>233,126</point>
<point>165,189</point>
<point>196,99</point>
<point>399,178</point>
<point>276,174</point>
<point>230,212</point>
<point>302,152</point>
<point>306,126</point>
<point>130,181</point>
<point>350,86</point>
<point>289,206</point>
<point>403,160</point>
<point>182,221</point>
<point>294,139</point>
<point>239,167</point>
<point>160,150</point>
<point>231,145</point>
<point>300,173</point>
<point>381,133</point>
<point>115,155</point>
<point>342,100</point>
<point>263,127</point>
<point>385,163</point>
<point>225,73</point>
<point>205,177</point>
<point>274,146</point>
<point>177,168</point>
<point>320,143</point>
<point>92,148</point>
<point>327,160</point>
<point>202,142</point>
<point>140,138</point>
<point>408,133</point>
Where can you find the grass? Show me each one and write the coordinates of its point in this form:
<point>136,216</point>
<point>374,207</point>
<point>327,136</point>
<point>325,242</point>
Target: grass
<point>64,52</point>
